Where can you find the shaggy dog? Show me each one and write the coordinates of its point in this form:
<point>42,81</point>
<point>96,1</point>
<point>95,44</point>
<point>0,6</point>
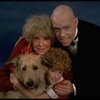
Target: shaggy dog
<point>30,72</point>
<point>31,69</point>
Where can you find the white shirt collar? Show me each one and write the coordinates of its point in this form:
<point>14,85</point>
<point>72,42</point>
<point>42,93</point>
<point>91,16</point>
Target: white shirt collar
<point>75,40</point>
<point>76,33</point>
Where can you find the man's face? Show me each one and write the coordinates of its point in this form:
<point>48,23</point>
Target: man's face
<point>65,30</point>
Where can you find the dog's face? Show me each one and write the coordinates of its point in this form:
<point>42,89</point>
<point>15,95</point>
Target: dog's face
<point>29,70</point>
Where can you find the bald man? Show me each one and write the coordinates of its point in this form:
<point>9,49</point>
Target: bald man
<point>79,38</point>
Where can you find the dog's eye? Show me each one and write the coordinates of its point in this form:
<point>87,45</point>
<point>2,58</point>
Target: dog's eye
<point>35,67</point>
<point>23,68</point>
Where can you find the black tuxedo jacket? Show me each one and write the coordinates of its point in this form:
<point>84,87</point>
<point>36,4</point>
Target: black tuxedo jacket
<point>86,63</point>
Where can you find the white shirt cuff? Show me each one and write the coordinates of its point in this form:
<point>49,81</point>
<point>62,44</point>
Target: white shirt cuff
<point>74,89</point>
<point>52,93</point>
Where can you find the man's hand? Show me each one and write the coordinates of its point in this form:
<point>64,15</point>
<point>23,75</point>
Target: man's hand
<point>64,88</point>
<point>27,49</point>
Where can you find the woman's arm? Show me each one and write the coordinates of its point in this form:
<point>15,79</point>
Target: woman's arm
<point>5,84</point>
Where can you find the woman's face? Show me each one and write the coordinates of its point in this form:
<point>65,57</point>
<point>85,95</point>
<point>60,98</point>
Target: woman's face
<point>41,44</point>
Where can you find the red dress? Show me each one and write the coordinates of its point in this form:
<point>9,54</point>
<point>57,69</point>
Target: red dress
<point>5,84</point>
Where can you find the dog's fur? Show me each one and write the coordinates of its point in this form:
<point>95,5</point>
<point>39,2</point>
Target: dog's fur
<point>30,70</point>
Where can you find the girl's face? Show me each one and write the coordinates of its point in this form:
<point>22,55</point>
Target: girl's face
<point>41,44</point>
<point>54,76</point>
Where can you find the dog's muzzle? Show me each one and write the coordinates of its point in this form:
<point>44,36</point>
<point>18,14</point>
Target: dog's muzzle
<point>30,84</point>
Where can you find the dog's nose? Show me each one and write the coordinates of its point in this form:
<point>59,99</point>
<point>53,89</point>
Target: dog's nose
<point>30,83</point>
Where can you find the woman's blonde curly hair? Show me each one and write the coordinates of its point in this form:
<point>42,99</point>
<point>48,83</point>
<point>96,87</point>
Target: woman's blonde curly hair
<point>35,25</point>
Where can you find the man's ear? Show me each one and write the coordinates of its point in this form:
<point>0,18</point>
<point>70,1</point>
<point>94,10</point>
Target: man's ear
<point>76,22</point>
<point>48,61</point>
<point>14,60</point>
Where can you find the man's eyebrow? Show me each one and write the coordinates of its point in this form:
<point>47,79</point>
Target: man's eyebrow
<point>66,26</point>
<point>56,27</point>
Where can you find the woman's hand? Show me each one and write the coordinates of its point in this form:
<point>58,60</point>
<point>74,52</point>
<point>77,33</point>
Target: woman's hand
<point>64,88</point>
<point>14,81</point>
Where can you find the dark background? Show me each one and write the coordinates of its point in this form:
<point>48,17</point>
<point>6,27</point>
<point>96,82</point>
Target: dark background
<point>14,13</point>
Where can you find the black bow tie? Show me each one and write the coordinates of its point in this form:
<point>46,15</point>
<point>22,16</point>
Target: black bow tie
<point>73,43</point>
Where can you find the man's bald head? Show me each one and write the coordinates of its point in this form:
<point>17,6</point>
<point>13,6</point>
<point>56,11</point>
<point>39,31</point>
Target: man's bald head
<point>65,24</point>
<point>62,11</point>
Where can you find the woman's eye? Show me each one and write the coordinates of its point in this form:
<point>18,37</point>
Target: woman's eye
<point>60,72</point>
<point>52,70</point>
<point>46,38</point>
<point>36,38</point>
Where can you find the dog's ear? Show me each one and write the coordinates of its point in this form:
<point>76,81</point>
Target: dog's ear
<point>47,61</point>
<point>14,60</point>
